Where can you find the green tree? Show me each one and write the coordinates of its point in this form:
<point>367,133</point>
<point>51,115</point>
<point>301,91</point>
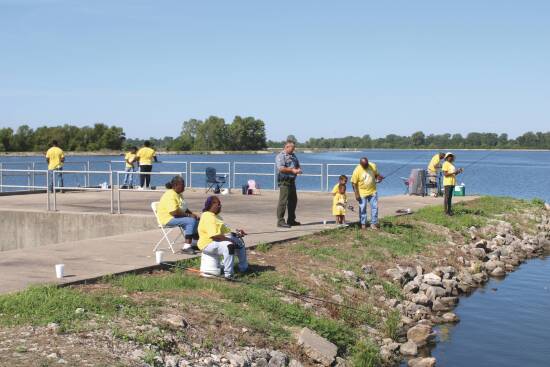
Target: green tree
<point>213,134</point>
<point>247,133</point>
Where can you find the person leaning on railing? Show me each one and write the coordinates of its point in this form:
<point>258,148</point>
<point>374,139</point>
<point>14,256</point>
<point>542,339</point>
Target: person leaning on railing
<point>172,211</point>
<point>288,167</point>
<point>55,158</point>
<point>145,157</point>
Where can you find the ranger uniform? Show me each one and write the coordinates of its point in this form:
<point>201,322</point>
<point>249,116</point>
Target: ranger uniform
<point>287,188</point>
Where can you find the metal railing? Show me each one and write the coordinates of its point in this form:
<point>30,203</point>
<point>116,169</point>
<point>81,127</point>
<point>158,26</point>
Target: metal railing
<point>329,175</point>
<point>273,171</point>
<point>227,173</point>
<point>138,188</point>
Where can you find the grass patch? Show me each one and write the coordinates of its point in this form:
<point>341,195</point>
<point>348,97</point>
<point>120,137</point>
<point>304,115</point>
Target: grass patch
<point>40,305</point>
<point>366,354</point>
<point>263,247</point>
<point>391,324</point>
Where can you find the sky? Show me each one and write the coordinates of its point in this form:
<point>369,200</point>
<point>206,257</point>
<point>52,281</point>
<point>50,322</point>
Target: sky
<point>307,68</point>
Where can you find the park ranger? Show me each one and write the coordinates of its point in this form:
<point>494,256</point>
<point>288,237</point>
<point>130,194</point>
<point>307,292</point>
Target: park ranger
<point>288,168</point>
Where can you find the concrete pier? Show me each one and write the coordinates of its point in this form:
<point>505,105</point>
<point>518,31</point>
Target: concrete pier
<point>92,243</point>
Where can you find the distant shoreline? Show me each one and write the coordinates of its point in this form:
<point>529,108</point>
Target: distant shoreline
<point>267,151</point>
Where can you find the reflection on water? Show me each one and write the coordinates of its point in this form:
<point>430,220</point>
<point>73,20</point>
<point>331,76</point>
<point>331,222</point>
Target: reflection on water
<point>507,323</point>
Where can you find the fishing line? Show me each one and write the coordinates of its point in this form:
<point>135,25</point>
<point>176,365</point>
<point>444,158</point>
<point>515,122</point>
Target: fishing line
<point>284,291</point>
<point>404,165</point>
<point>479,160</point>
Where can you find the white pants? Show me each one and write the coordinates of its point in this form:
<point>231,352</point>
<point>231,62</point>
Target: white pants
<point>222,248</point>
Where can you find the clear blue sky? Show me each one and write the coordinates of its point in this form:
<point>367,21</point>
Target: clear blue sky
<point>310,68</point>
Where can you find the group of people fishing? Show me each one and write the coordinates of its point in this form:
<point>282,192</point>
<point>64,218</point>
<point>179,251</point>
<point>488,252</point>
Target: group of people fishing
<point>208,233</point>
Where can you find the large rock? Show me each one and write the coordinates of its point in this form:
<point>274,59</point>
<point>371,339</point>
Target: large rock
<point>422,362</point>
<point>409,348</point>
<point>238,360</point>
<point>450,317</point>
<point>420,334</point>
<point>316,347</point>
<point>432,279</point>
<point>498,272</point>
<point>278,359</point>
<point>434,292</point>
<point>294,363</point>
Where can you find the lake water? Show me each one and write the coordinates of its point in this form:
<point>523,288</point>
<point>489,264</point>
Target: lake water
<point>511,173</point>
<point>505,324</point>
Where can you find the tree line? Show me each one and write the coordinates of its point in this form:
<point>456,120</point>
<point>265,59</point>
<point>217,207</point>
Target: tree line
<point>246,133</point>
<point>71,138</point>
<point>419,140</point>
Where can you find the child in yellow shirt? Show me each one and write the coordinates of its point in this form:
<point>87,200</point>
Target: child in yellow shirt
<point>343,179</point>
<point>339,204</point>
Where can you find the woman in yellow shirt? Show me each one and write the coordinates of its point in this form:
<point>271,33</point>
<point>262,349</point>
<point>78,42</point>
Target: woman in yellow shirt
<point>449,181</point>
<point>217,239</point>
<point>173,212</point>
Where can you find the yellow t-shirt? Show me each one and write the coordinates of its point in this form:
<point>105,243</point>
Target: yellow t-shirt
<point>129,157</point>
<point>434,163</point>
<point>339,199</point>
<point>145,156</point>
<point>449,168</point>
<point>55,156</point>
<point>210,225</point>
<point>365,179</point>
<point>169,202</point>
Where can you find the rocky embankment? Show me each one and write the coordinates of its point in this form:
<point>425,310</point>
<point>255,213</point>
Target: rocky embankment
<point>430,296</point>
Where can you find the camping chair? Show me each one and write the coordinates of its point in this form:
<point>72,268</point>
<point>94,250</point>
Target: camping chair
<point>212,179</point>
<point>253,187</point>
<point>166,231</point>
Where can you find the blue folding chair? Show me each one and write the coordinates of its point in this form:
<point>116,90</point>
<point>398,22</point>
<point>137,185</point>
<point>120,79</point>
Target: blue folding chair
<point>213,180</point>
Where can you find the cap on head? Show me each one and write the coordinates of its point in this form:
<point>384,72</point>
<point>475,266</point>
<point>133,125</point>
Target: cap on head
<point>449,154</point>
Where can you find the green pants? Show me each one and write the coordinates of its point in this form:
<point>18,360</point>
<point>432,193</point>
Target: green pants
<point>287,199</point>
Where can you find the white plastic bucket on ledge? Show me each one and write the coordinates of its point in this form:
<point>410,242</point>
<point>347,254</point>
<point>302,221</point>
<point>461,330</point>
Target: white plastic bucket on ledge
<point>210,264</point>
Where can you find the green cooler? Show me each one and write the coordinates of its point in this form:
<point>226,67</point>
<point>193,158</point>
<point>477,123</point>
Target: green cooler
<point>460,190</point>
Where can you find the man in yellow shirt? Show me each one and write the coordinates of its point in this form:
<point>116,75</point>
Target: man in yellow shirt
<point>449,181</point>
<point>55,158</point>
<point>145,157</point>
<point>364,180</point>
<point>130,167</point>
<point>433,172</point>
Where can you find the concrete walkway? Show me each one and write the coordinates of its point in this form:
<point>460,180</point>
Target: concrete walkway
<point>91,258</point>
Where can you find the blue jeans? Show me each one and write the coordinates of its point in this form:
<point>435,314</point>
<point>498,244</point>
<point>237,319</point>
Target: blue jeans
<point>373,200</point>
<point>217,248</point>
<point>188,224</point>
<point>58,176</point>
<point>129,176</point>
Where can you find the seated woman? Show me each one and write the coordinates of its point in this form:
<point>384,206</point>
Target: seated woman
<point>172,211</point>
<point>216,238</point>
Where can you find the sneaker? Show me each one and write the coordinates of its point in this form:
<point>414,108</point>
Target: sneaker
<point>375,227</point>
<point>229,278</point>
<point>188,251</point>
<point>283,225</point>
<point>294,223</point>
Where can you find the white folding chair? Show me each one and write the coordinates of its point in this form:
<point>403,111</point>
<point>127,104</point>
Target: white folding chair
<point>166,231</point>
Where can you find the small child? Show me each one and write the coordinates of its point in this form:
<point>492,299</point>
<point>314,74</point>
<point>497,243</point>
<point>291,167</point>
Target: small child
<point>342,180</point>
<point>339,204</point>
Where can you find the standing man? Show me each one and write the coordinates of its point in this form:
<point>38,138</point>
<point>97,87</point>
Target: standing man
<point>288,168</point>
<point>433,172</point>
<point>55,158</point>
<point>364,180</point>
<point>449,182</point>
<point>145,156</point>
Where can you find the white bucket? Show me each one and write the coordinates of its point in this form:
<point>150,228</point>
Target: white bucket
<point>158,256</point>
<point>210,264</point>
<point>60,270</point>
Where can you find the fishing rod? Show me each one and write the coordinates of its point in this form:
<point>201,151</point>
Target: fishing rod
<point>297,295</point>
<point>479,160</point>
<point>404,165</point>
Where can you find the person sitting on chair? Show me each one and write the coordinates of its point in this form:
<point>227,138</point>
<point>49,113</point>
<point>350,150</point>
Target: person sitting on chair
<point>217,239</point>
<point>172,211</point>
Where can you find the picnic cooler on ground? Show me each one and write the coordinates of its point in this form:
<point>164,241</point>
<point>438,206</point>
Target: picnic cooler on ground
<point>417,182</point>
<point>460,190</point>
